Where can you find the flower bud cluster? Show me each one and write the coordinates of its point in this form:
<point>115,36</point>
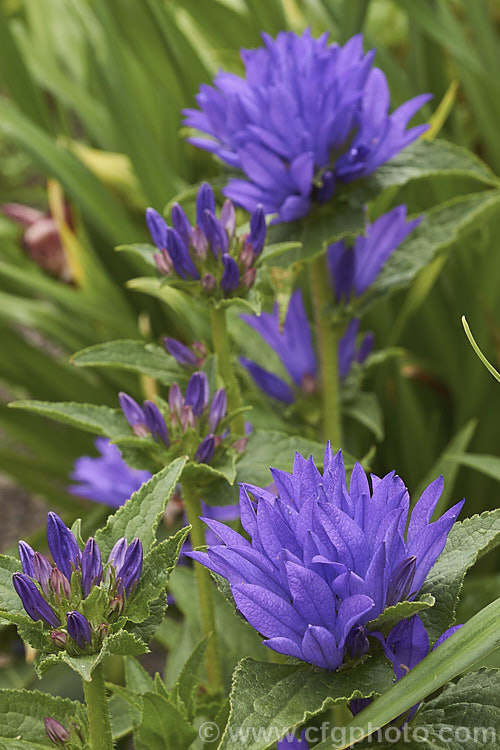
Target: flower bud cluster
<point>210,252</point>
<point>192,424</point>
<point>55,593</point>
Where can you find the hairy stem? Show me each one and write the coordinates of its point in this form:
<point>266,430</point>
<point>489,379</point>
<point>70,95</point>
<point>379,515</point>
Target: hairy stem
<point>98,713</point>
<point>205,588</point>
<point>223,350</point>
<point>327,336</point>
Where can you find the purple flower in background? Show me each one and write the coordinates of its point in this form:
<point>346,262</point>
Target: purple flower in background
<point>406,646</point>
<point>210,251</point>
<point>354,269</point>
<point>290,742</point>
<point>106,478</point>
<point>348,353</point>
<point>307,115</point>
<point>293,345</point>
<point>323,559</point>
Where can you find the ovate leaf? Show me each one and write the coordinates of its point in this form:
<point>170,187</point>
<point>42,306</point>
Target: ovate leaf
<point>467,541</point>
<point>268,700</point>
<point>133,356</point>
<point>142,513</point>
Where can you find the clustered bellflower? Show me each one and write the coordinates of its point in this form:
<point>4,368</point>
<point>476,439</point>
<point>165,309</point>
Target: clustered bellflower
<point>354,269</point>
<point>106,478</point>
<point>323,560</point>
<point>307,116</point>
<point>194,421</point>
<point>54,593</point>
<point>210,252</point>
<point>293,345</point>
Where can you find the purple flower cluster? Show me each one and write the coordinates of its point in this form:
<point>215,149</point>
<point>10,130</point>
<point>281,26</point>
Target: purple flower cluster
<point>307,116</point>
<point>324,560</point>
<point>209,252</point>
<point>106,478</point>
<point>53,593</point>
<point>293,345</point>
<point>188,412</point>
<point>354,269</point>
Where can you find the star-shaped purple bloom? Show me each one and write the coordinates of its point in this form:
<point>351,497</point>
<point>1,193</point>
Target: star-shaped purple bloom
<point>106,478</point>
<point>306,116</point>
<point>324,559</point>
<point>294,346</point>
<point>354,269</point>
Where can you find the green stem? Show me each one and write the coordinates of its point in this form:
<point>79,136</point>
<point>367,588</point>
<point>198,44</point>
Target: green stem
<point>97,709</point>
<point>205,588</point>
<point>327,335</point>
<point>224,363</point>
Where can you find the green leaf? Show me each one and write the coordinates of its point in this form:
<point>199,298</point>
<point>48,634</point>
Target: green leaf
<point>23,712</point>
<point>477,638</point>
<point>448,466</point>
<point>365,409</point>
<point>162,726</point>
<point>143,251</point>
<point>400,611</point>
<point>440,228</point>
<point>184,691</point>
<point>158,565</point>
<point>122,643</point>
<point>267,700</point>
<point>101,420</point>
<point>29,631</point>
<point>205,475</point>
<point>489,465</point>
<point>438,158</point>
<point>467,541</point>
<point>141,514</point>
<point>9,600</point>
<point>136,677</point>
<point>133,356</point>
<point>473,702</point>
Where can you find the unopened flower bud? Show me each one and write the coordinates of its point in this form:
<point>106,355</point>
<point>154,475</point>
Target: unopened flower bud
<point>187,418</point>
<point>60,584</point>
<point>33,602</point>
<point>247,256</point>
<point>91,566</point>
<point>56,733</point>
<point>228,218</point>
<point>128,575</point>
<point>42,570</point>
<point>240,445</point>
<point>63,545</point>
<point>163,262</point>
<point>59,638</point>
<point>208,283</point>
<point>248,278</point>
<point>199,243</point>
<point>116,605</point>
<point>197,393</point>
<point>206,450</point>
<point>308,383</point>
<point>79,629</point>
